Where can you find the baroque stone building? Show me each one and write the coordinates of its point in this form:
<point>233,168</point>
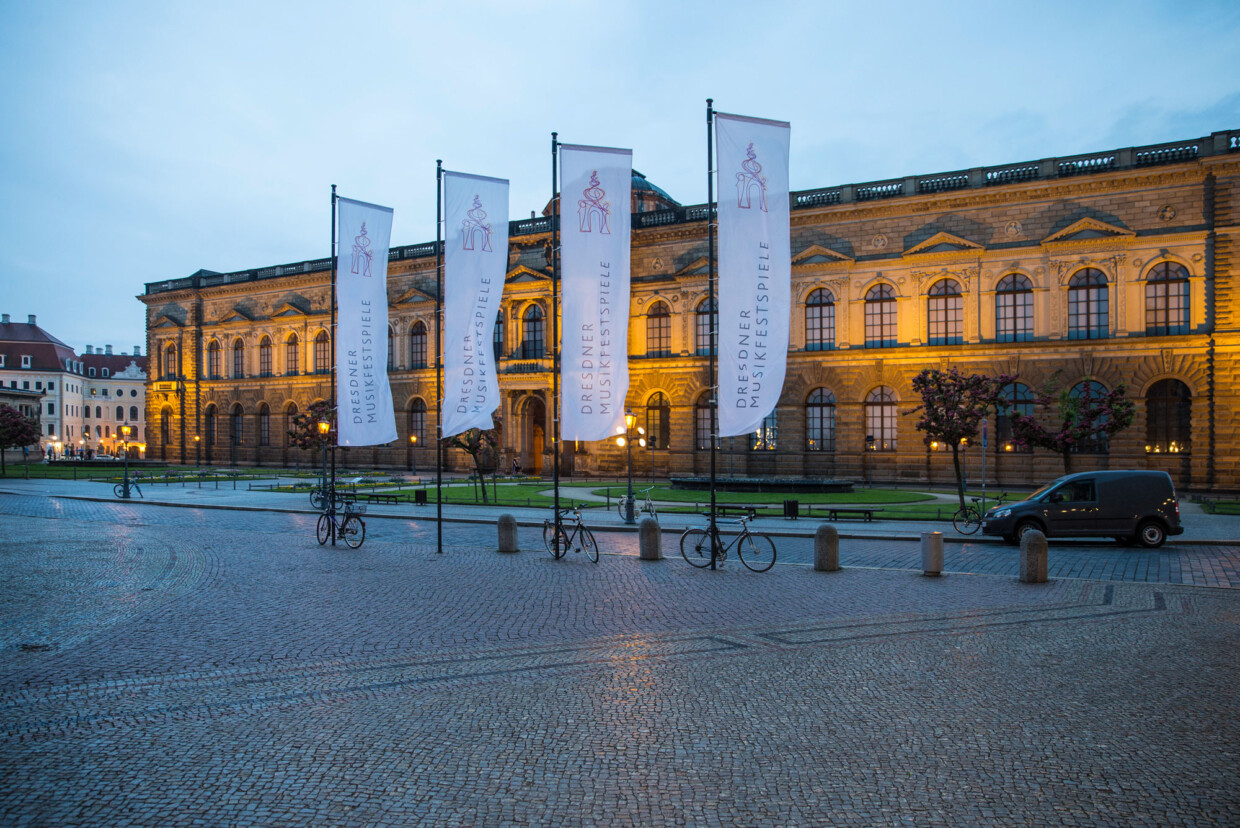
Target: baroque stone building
<point>1108,268</point>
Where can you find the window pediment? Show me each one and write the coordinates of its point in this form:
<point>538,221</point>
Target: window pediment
<point>944,243</point>
<point>166,321</point>
<point>236,315</point>
<point>521,273</point>
<point>414,295</point>
<point>698,267</point>
<point>1088,230</point>
<point>817,256</point>
<point>287,309</point>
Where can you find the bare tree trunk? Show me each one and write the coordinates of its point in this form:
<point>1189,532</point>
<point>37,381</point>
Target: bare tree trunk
<point>959,478</point>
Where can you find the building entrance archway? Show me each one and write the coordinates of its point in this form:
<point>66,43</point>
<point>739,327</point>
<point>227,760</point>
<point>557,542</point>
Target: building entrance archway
<point>533,434</point>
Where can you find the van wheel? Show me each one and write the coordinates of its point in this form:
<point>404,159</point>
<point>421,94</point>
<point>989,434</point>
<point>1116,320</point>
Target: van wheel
<point>1025,527</point>
<point>1151,534</point>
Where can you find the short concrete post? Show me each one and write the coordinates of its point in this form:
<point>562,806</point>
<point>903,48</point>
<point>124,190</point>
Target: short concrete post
<point>826,549</point>
<point>649,540</point>
<point>1033,558</point>
<point>507,533</point>
<point>932,554</point>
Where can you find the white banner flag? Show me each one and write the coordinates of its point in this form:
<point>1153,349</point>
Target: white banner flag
<point>475,263</point>
<point>595,207</point>
<point>364,413</point>
<point>755,269</point>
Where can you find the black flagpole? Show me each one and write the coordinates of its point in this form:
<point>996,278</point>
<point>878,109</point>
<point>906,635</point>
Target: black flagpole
<point>439,354</point>
<point>331,490</point>
<point>714,311</point>
<point>555,325</point>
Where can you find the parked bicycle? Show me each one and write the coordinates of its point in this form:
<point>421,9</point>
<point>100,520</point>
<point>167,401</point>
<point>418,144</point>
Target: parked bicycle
<point>320,493</point>
<point>119,488</point>
<point>646,507</point>
<point>756,551</point>
<point>569,533</point>
<point>346,525</point>
<point>969,519</point>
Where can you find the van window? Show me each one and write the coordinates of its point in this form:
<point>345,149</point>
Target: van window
<point>1076,491</point>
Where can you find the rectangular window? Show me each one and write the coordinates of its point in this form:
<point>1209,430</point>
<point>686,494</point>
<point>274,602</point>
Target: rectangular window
<point>25,362</point>
<point>51,408</point>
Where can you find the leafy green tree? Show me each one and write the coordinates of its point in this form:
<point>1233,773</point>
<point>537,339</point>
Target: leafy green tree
<point>953,406</point>
<point>16,430</point>
<point>1069,418</point>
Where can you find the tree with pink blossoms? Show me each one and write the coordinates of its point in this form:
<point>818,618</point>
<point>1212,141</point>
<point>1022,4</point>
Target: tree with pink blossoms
<point>16,430</point>
<point>953,406</point>
<point>1071,419</point>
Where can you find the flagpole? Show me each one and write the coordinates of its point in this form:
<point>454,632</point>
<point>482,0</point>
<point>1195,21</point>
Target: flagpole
<point>331,491</point>
<point>714,311</point>
<point>439,355</point>
<point>555,324</point>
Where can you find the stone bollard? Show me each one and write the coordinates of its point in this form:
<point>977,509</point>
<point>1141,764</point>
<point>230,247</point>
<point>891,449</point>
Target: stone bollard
<point>826,549</point>
<point>649,539</point>
<point>507,533</point>
<point>932,554</point>
<point>1033,558</point>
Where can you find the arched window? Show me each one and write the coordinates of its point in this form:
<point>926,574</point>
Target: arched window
<point>391,349</point>
<point>264,425</point>
<point>1168,417</point>
<point>1087,305</point>
<point>945,313</point>
<point>1014,398</point>
<point>264,357</point>
<point>766,438</point>
<point>532,333</point>
<point>497,338</point>
<point>107,430</point>
<point>880,317</point>
<point>701,423</point>
<point>880,419</point>
<point>86,411</point>
<point>236,427</point>
<point>702,317</point>
<point>820,320</point>
<point>1088,393</point>
<point>120,413</point>
<point>322,353</point>
<point>658,421</point>
<point>238,366</point>
<point>172,367</point>
<point>165,426</point>
<point>658,330</point>
<point>292,348</point>
<point>133,413</point>
<point>1013,309</point>
<point>417,420</point>
<point>208,427</point>
<point>820,421</point>
<point>417,345</point>
<point>213,360</point>
<point>290,415</point>
<point>1166,300</point>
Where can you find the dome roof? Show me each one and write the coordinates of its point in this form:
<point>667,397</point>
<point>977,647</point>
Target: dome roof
<point>646,197</point>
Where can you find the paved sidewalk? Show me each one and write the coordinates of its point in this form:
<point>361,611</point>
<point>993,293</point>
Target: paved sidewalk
<point>191,666</point>
<point>1199,527</point>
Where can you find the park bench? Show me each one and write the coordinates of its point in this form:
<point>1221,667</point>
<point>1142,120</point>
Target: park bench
<point>382,498</point>
<point>835,513</point>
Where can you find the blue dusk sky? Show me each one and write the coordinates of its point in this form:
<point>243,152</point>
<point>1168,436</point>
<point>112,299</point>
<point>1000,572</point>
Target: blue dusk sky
<point>143,141</point>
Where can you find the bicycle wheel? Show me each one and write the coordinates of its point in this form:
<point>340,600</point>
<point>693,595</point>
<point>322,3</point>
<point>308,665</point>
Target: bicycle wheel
<point>695,547</point>
<point>588,544</point>
<point>324,529</point>
<point>756,551</point>
<point>317,500</point>
<point>652,511</point>
<point>967,520</point>
<point>353,530</point>
<point>555,539</point>
<point>620,506</point>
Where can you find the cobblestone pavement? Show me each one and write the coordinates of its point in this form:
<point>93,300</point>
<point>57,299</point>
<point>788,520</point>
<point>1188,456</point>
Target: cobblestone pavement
<point>164,666</point>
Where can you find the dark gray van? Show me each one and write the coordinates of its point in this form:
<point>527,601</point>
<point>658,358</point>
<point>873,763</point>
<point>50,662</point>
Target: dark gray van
<point>1129,506</point>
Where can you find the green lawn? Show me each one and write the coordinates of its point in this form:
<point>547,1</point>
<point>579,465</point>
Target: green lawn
<point>670,495</point>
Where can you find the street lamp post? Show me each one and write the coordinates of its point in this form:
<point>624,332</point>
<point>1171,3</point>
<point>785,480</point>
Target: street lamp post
<point>626,442</point>
<point>324,428</point>
<point>413,446</point>
<point>125,450</point>
<point>197,451</point>
<point>869,464</point>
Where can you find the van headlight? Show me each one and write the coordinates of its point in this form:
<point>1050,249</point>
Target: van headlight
<point>1002,513</point>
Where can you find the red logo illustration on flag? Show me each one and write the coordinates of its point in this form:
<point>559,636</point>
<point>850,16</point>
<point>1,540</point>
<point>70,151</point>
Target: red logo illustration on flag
<point>362,254</point>
<point>475,225</point>
<point>749,180</point>
<point>592,205</point>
